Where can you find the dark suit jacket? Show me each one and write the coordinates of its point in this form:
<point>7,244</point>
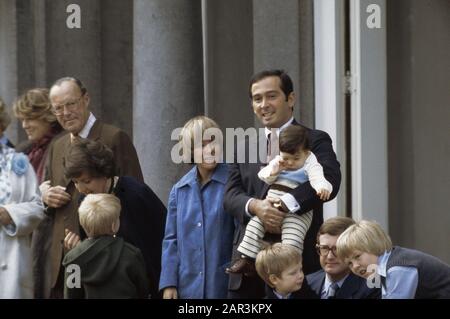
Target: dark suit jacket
<point>126,163</point>
<point>354,287</point>
<point>243,184</point>
<point>304,293</point>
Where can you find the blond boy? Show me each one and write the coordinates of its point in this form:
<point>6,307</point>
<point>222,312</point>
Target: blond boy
<point>108,267</point>
<point>280,266</point>
<point>402,273</point>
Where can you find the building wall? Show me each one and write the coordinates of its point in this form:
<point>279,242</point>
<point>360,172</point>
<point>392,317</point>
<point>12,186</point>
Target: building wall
<point>151,65</point>
<point>418,124</point>
<point>114,56</point>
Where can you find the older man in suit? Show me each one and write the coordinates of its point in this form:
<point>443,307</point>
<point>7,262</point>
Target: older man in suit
<point>70,103</point>
<point>335,280</point>
<point>273,100</point>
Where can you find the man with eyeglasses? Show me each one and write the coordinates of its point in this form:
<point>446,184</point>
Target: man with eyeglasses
<point>335,280</point>
<point>70,103</point>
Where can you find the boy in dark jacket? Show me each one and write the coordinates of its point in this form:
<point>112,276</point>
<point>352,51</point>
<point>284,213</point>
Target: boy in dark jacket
<point>103,265</point>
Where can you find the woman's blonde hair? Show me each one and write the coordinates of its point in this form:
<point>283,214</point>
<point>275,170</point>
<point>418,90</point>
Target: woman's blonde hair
<point>34,104</point>
<point>193,131</point>
<point>98,212</point>
<point>5,119</point>
<point>275,259</point>
<point>365,236</point>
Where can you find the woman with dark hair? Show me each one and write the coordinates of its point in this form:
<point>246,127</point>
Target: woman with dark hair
<point>89,164</point>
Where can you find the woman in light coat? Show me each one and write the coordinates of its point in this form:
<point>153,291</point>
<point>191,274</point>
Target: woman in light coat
<point>21,211</point>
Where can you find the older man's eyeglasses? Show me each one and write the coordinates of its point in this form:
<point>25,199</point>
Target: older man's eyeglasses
<point>324,250</point>
<point>70,106</point>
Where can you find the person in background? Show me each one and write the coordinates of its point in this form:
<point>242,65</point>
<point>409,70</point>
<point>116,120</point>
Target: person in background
<point>5,119</point>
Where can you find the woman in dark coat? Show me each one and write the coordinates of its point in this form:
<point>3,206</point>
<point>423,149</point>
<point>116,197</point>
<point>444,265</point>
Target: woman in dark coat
<point>90,166</point>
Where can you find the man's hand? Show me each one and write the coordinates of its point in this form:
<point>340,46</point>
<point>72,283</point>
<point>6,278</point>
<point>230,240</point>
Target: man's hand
<point>71,239</point>
<point>323,194</point>
<point>5,218</point>
<point>54,196</point>
<point>268,214</point>
<point>170,293</point>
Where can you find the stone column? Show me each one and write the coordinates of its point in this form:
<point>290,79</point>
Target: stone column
<point>282,39</point>
<point>228,61</point>
<point>117,64</point>
<point>167,83</point>
<point>75,52</point>
<point>8,58</point>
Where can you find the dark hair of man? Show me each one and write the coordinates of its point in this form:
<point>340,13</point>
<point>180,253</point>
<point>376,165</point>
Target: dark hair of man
<point>335,226</point>
<point>71,79</point>
<point>285,81</point>
<point>293,139</point>
<point>91,157</point>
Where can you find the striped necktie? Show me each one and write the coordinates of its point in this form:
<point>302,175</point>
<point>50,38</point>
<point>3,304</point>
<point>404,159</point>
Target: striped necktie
<point>273,146</point>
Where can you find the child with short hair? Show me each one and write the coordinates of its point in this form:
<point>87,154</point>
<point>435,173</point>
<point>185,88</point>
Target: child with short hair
<point>404,273</point>
<point>280,266</point>
<point>109,267</point>
<point>295,165</point>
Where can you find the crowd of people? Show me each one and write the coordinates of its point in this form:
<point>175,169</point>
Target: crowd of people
<point>78,221</point>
